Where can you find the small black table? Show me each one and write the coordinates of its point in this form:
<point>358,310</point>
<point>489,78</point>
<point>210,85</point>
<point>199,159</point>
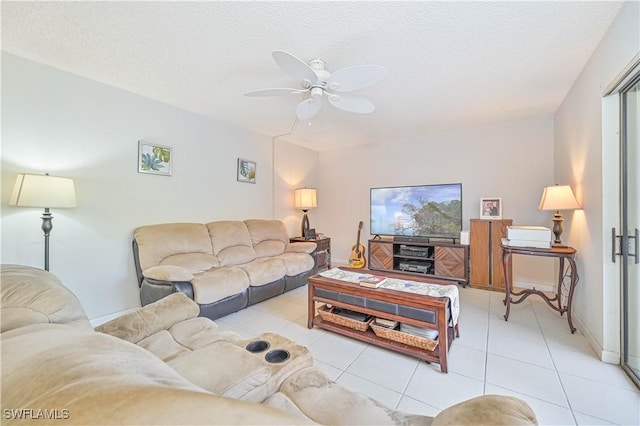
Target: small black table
<point>562,253</point>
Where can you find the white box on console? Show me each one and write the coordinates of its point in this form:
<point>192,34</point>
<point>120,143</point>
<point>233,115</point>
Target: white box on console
<point>528,233</point>
<point>526,243</point>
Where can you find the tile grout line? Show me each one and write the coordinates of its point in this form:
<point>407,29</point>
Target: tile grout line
<point>555,367</point>
<point>486,350</point>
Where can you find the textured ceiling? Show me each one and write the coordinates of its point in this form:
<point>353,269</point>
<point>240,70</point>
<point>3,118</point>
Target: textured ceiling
<point>449,64</point>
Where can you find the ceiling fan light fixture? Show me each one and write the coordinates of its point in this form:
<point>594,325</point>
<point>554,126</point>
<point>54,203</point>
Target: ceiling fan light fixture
<point>316,92</point>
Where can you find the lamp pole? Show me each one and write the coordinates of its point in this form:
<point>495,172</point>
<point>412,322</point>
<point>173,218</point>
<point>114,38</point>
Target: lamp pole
<point>47,226</point>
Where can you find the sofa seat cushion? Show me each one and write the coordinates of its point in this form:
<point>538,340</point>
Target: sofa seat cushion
<point>219,283</point>
<point>222,368</point>
<point>201,331</point>
<point>194,262</point>
<point>296,263</point>
<point>264,271</point>
<point>30,296</point>
<point>157,242</point>
<point>163,345</point>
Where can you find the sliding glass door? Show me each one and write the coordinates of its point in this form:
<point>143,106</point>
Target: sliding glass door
<point>630,223</point>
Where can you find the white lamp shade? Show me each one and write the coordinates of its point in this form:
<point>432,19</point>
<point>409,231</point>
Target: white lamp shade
<point>558,197</point>
<point>305,198</point>
<point>43,191</point>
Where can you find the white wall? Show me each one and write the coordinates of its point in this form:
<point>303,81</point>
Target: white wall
<point>580,162</point>
<point>512,160</point>
<point>295,167</point>
<point>56,122</point>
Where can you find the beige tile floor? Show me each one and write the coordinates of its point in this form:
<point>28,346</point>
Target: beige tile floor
<point>532,356</point>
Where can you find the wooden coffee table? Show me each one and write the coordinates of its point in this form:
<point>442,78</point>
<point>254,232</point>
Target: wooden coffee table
<point>402,306</point>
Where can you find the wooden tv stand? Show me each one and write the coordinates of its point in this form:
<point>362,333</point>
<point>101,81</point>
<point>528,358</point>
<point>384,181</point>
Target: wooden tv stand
<point>431,258</point>
<point>435,311</point>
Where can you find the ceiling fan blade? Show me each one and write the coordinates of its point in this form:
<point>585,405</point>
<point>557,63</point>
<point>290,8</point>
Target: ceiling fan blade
<point>352,103</point>
<point>308,108</point>
<point>356,77</point>
<point>277,91</point>
<point>293,66</point>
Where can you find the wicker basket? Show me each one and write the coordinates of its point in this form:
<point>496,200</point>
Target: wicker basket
<point>328,315</point>
<point>406,338</point>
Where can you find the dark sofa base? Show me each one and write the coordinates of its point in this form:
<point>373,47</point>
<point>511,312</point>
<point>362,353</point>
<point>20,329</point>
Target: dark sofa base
<point>152,290</point>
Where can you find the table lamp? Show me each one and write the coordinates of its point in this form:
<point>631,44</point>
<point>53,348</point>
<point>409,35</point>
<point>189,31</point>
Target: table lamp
<point>47,192</point>
<point>305,199</point>
<point>558,197</point>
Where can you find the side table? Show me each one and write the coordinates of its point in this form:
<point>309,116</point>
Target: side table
<point>323,251</point>
<point>562,254</point>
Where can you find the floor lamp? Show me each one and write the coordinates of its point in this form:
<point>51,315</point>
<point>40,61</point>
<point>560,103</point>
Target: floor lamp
<point>47,192</point>
<point>305,199</point>
<point>558,197</point>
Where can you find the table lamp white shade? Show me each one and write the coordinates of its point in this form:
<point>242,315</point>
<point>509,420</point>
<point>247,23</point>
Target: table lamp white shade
<point>305,198</point>
<point>558,197</point>
<point>43,191</point>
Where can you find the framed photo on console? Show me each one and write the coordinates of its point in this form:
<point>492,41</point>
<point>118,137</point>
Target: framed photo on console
<point>491,208</point>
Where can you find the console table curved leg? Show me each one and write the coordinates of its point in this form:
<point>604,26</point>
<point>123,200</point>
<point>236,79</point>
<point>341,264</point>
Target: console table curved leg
<point>560,281</point>
<point>574,282</point>
<point>508,279</point>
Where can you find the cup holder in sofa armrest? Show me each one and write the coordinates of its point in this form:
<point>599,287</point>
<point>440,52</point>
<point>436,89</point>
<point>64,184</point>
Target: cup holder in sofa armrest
<point>258,346</point>
<point>277,356</point>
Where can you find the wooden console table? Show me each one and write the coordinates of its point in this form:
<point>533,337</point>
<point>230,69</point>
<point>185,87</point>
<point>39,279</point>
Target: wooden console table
<point>402,306</point>
<point>562,254</point>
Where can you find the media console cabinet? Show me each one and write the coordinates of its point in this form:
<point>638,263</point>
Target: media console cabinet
<point>402,306</point>
<point>439,259</point>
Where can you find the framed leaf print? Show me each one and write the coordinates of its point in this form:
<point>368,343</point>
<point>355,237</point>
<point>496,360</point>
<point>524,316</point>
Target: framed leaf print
<point>155,159</point>
<point>246,171</point>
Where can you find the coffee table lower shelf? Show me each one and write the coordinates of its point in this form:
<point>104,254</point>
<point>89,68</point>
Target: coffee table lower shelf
<point>369,336</point>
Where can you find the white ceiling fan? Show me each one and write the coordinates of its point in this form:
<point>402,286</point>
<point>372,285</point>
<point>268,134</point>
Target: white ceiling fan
<point>316,81</point>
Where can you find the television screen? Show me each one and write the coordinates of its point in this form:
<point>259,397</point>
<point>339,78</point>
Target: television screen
<point>418,211</point>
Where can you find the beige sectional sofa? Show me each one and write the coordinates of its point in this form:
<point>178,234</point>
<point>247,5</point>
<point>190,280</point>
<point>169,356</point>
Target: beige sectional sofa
<point>223,266</point>
<point>162,364</point>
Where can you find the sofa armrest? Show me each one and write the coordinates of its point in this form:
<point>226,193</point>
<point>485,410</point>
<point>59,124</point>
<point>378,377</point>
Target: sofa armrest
<point>150,319</point>
<point>301,247</point>
<point>168,273</point>
<point>487,410</point>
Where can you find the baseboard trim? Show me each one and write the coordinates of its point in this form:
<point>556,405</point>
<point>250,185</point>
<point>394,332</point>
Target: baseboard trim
<point>609,357</point>
<point>106,318</point>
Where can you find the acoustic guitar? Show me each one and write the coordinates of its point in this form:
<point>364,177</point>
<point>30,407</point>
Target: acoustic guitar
<point>357,259</point>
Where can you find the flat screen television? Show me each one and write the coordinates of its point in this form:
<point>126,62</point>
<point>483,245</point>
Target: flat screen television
<point>429,211</point>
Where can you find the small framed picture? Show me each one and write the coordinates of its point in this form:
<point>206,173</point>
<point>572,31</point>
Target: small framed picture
<point>490,208</point>
<point>155,159</point>
<point>246,171</point>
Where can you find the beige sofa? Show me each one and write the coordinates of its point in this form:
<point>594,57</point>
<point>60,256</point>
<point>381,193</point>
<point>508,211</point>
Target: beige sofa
<point>223,266</point>
<point>164,365</point>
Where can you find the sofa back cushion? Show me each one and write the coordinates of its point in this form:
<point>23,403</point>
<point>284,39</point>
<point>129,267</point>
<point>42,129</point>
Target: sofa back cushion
<point>33,296</point>
<point>231,242</point>
<point>269,237</point>
<point>159,244</point>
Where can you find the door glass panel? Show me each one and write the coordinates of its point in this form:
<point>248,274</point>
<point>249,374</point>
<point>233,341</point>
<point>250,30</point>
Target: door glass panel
<point>630,225</point>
